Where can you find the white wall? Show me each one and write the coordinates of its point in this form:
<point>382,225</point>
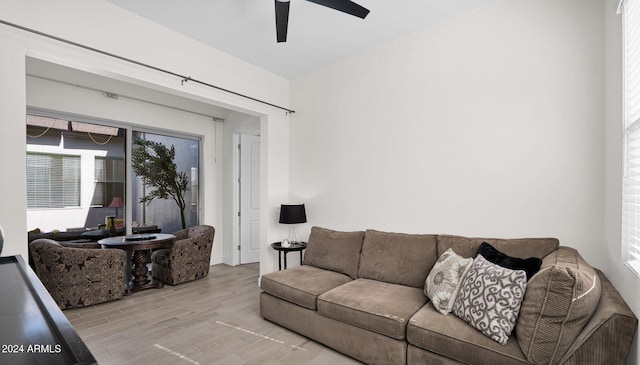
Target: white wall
<point>503,122</point>
<point>93,23</point>
<point>486,125</point>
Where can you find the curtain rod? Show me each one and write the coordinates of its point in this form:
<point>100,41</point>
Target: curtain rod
<point>182,77</point>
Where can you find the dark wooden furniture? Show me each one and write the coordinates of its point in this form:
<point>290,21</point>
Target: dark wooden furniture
<point>139,246</point>
<point>95,234</point>
<point>298,246</point>
<point>34,330</point>
<point>89,234</point>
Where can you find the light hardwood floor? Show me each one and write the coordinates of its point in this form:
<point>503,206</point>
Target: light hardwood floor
<point>214,320</point>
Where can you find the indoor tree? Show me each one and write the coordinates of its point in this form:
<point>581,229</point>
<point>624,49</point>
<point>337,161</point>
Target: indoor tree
<point>154,163</point>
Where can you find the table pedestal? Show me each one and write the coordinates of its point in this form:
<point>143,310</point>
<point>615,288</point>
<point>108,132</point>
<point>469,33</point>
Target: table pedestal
<point>139,278</point>
<point>138,249</point>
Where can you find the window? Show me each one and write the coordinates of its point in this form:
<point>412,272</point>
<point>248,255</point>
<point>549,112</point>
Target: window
<point>76,165</point>
<point>631,178</point>
<point>109,178</point>
<point>53,181</point>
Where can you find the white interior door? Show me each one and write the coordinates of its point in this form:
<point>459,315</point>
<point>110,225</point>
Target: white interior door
<point>249,199</point>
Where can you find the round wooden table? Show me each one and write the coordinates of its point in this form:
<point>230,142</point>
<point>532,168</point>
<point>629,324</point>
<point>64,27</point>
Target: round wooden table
<point>138,247</point>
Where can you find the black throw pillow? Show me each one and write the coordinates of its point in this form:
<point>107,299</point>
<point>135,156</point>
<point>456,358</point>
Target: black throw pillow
<point>530,265</point>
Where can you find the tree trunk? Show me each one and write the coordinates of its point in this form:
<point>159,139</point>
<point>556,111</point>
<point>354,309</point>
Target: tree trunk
<point>184,224</point>
<point>179,199</point>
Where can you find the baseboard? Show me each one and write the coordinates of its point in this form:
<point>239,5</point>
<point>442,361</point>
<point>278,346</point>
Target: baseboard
<point>216,261</point>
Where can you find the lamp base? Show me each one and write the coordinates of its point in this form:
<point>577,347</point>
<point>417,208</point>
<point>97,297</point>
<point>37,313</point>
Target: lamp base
<point>293,238</point>
<point>112,226</point>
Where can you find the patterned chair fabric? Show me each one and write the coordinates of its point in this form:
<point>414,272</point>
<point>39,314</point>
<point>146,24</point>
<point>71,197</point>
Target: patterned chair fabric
<point>89,244</point>
<point>78,277</point>
<point>188,258</point>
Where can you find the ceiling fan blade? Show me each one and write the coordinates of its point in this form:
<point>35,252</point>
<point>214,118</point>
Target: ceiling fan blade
<point>282,19</point>
<point>345,6</point>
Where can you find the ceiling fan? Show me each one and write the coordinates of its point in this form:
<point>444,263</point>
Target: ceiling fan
<point>345,6</point>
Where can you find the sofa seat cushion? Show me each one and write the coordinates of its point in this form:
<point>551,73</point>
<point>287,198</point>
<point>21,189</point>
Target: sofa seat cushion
<point>453,338</point>
<point>302,284</point>
<point>334,250</point>
<point>397,258</point>
<point>521,247</point>
<point>373,305</point>
<point>560,299</point>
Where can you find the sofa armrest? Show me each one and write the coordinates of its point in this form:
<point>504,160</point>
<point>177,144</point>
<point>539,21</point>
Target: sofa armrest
<point>607,337</point>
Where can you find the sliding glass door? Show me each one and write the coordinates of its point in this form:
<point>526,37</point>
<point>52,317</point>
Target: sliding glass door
<point>180,203</point>
<point>76,178</point>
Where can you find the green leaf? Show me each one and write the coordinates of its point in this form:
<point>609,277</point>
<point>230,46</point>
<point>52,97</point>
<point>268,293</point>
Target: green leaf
<point>154,163</point>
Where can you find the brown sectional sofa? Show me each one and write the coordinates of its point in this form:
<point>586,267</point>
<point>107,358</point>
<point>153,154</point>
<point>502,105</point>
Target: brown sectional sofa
<point>362,294</point>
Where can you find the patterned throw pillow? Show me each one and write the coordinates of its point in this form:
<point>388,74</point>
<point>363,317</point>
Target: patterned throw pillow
<point>490,298</point>
<point>444,280</point>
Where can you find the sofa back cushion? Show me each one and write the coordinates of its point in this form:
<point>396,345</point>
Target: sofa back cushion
<point>521,247</point>
<point>334,250</point>
<point>559,301</point>
<point>397,258</point>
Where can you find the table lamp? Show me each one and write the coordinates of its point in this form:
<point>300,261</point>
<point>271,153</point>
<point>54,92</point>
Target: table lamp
<point>292,214</point>
<point>115,203</point>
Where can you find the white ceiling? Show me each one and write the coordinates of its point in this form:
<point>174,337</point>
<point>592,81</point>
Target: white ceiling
<point>317,35</point>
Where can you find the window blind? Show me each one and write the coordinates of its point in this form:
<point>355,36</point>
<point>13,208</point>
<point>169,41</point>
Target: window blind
<point>109,180</point>
<point>631,179</point>
<point>53,181</point>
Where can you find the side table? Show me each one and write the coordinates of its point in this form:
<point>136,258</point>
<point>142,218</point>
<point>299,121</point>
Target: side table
<point>297,246</point>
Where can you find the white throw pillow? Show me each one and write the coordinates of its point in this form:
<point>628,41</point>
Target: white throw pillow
<point>444,280</point>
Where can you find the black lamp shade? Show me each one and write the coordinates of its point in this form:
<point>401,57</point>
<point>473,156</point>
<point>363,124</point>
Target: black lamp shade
<point>292,214</point>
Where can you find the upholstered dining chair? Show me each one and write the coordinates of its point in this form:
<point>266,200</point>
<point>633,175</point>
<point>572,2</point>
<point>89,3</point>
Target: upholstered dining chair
<point>187,259</point>
<point>78,277</point>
